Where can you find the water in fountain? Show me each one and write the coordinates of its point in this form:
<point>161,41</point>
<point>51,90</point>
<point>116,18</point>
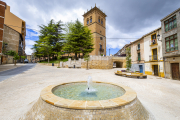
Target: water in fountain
<point>90,89</point>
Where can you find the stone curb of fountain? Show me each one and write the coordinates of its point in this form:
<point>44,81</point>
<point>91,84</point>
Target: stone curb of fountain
<point>47,95</point>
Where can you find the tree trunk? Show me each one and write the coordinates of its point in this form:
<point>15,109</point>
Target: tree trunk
<point>87,64</point>
<point>59,64</point>
<point>48,58</point>
<point>15,62</point>
<point>76,56</point>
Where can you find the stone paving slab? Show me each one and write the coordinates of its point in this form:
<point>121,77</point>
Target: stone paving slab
<point>19,93</point>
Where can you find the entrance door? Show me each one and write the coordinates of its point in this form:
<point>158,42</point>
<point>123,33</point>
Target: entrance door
<point>156,70</point>
<point>175,71</point>
<point>140,68</point>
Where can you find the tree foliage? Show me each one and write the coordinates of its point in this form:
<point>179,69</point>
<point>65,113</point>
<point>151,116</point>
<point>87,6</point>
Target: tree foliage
<point>11,52</point>
<point>128,58</point>
<point>23,57</point>
<point>78,39</point>
<point>50,40</point>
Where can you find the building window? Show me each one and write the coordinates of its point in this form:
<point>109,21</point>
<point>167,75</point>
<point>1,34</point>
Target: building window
<point>170,23</point>
<point>138,46</point>
<point>99,19</point>
<point>87,21</point>
<point>139,56</point>
<point>153,39</point>
<point>100,38</point>
<point>171,43</point>
<point>91,19</point>
<point>100,46</point>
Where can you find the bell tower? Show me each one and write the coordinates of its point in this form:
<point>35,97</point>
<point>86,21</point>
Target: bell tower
<point>95,19</point>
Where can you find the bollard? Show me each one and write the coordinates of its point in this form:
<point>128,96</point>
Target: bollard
<point>52,64</point>
<point>74,66</point>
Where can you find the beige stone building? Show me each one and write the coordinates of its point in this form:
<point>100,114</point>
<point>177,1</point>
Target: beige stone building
<point>12,33</point>
<point>154,64</point>
<point>170,26</point>
<point>95,19</point>
<point>137,55</point>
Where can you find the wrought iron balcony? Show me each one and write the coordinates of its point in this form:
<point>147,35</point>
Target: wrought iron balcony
<point>100,49</point>
<point>154,42</point>
<point>153,57</point>
<point>172,49</point>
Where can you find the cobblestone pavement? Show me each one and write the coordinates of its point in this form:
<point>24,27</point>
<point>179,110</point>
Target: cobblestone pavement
<point>158,95</point>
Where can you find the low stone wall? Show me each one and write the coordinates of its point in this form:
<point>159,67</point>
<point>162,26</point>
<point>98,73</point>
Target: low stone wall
<point>95,62</point>
<point>99,62</point>
<point>49,64</point>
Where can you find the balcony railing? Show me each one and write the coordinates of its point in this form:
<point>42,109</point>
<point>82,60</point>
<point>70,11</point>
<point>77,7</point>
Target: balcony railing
<point>153,42</point>
<point>100,49</point>
<point>153,57</point>
<point>172,49</point>
<point>138,48</point>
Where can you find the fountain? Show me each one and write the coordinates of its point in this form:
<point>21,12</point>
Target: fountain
<point>88,100</point>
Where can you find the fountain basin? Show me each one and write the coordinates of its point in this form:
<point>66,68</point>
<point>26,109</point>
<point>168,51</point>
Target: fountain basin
<point>51,107</point>
<point>48,96</point>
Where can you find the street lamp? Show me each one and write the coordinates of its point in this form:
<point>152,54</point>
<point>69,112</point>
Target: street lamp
<point>158,37</point>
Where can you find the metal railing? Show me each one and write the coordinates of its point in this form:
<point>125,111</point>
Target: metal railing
<point>172,49</point>
<point>153,57</point>
<point>154,41</point>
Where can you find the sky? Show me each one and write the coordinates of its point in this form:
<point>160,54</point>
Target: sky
<point>126,19</point>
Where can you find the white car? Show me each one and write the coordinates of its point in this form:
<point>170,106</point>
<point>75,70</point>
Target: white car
<point>26,61</point>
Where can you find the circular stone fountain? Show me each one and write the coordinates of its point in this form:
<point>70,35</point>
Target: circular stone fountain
<point>98,100</point>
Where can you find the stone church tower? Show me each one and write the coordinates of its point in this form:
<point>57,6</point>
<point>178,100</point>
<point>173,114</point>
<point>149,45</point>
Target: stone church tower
<point>95,19</point>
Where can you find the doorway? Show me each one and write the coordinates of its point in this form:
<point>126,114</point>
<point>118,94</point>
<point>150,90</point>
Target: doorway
<point>156,70</point>
<point>175,71</point>
<point>140,68</point>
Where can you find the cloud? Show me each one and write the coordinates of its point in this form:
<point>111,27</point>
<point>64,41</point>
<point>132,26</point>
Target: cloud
<point>28,50</point>
<point>125,18</point>
<point>30,42</point>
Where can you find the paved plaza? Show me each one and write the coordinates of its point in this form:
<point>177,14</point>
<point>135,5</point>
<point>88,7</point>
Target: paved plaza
<point>159,96</point>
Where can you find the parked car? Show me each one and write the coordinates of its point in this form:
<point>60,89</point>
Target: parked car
<point>26,61</point>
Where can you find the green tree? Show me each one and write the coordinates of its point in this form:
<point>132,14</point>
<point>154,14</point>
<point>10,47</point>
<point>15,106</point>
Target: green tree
<point>50,40</point>
<point>128,58</point>
<point>78,39</point>
<point>23,57</point>
<point>14,54</point>
<point>16,57</point>
<point>11,52</point>
<point>4,48</point>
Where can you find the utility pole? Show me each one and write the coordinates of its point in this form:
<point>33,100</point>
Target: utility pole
<point>109,51</point>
